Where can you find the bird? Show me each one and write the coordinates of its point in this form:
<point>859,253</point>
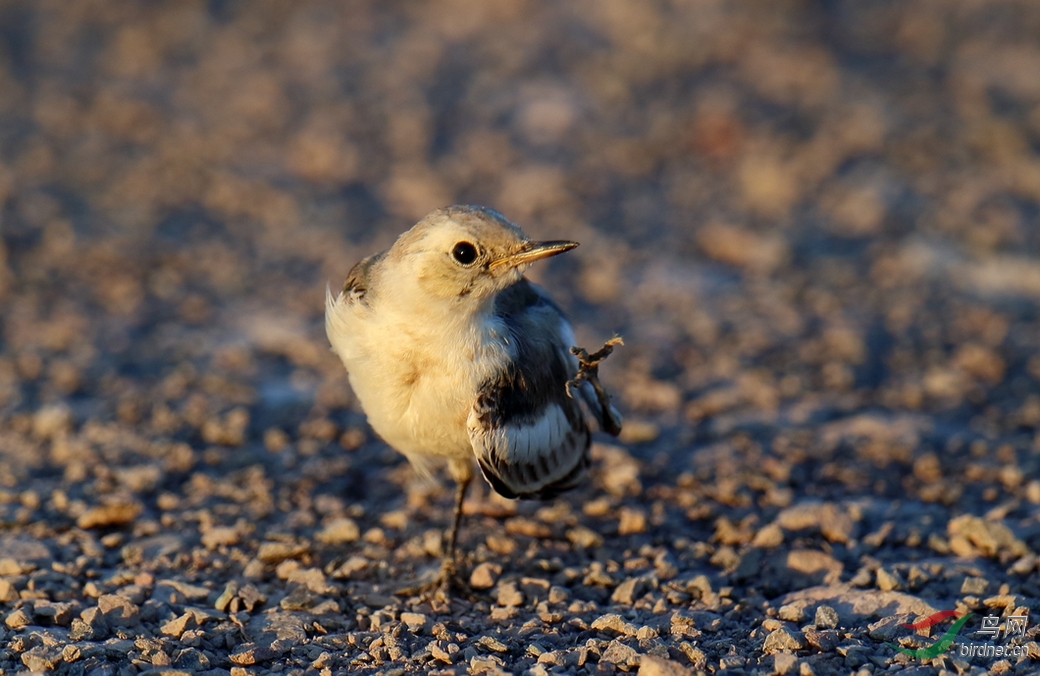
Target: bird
<point>457,359</point>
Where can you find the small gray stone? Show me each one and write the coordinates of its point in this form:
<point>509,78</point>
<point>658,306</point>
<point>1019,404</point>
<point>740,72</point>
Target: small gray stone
<point>192,660</point>
<point>783,639</point>
<point>768,537</point>
<point>628,591</point>
<point>826,617</point>
<point>619,653</point>
<point>507,594</point>
<point>224,600</point>
<point>415,621</point>
<point>887,628</point>
<point>444,651</point>
<point>71,652</point>
<point>91,626</point>
<point>825,641</point>
<point>17,619</point>
<point>118,610</point>
<point>791,613</point>
<point>191,592</point>
<point>221,536</point>
<point>251,653</point>
<point>276,552</point>
<point>784,663</point>
<point>649,665</point>
<point>493,644</point>
<point>339,531</point>
<point>485,575</point>
<point>8,592</point>
<point>614,622</point>
<point>974,585</point>
<point>887,581</point>
<point>179,625</point>
<point>558,594</point>
<point>251,597</point>
<point>59,614</point>
<point>584,537</point>
<point>42,658</point>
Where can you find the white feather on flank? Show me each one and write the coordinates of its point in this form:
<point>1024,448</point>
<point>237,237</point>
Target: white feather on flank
<point>523,444</point>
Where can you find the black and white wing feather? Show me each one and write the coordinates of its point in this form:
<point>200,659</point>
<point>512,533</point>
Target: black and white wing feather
<point>529,437</point>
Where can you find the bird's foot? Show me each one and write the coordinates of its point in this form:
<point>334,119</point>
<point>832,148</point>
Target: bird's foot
<point>440,586</point>
<point>588,370</point>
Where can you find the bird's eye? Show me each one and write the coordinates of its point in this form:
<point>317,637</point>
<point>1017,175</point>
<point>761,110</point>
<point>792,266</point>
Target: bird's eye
<point>464,253</point>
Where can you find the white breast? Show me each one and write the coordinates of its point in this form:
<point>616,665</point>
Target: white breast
<point>416,377</point>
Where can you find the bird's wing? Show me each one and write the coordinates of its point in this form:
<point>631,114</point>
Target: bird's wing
<point>358,279</point>
<point>343,309</point>
<point>529,437</point>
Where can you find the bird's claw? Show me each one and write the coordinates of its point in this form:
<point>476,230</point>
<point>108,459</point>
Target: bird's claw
<point>588,371</point>
<point>440,587</point>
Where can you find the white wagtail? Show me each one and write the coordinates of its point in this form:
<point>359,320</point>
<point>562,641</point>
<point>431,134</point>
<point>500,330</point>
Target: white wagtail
<point>455,356</point>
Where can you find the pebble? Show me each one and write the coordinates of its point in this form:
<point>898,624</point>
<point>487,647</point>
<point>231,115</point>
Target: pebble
<point>826,617</point>
<point>443,650</point>
<point>339,531</point>
<point>614,622</point>
<point>887,628</point>
<point>987,537</point>
<point>118,610</point>
<point>628,591</point>
<point>59,614</point>
<point>485,575</point>
<point>631,521</point>
<point>507,594</point>
<point>251,597</point>
<point>221,536</point>
<point>619,653</point>
<point>650,665</point>
<point>42,658</point>
<point>887,581</point>
<point>558,594</point>
<point>810,565</point>
<point>768,537</point>
<point>252,653</point>
<point>783,639</point>
<point>974,585</point>
<point>116,514</point>
<point>784,663</point>
<point>179,625</point>
<point>833,522</point>
<point>17,619</point>
<point>825,640</point>
<point>416,622</point>
<point>493,644</point>
<point>276,552</point>
<point>190,592</point>
<point>9,566</point>
<point>8,592</point>
<point>584,537</point>
<point>90,626</point>
<point>51,420</point>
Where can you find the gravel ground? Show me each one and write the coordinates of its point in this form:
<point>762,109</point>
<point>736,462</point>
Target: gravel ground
<point>816,225</point>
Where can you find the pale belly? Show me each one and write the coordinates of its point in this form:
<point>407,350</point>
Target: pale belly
<point>425,416</point>
<point>415,387</point>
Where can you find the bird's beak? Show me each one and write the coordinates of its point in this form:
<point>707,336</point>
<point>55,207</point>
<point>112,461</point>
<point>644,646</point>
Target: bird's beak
<point>533,252</point>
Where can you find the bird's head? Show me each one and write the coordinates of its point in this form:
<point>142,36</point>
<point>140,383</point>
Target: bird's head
<point>468,252</point>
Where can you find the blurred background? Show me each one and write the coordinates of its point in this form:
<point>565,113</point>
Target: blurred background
<point>816,225</point>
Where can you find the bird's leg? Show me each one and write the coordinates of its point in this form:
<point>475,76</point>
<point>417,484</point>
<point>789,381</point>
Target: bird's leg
<point>447,579</point>
<point>588,370</point>
<point>448,563</point>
